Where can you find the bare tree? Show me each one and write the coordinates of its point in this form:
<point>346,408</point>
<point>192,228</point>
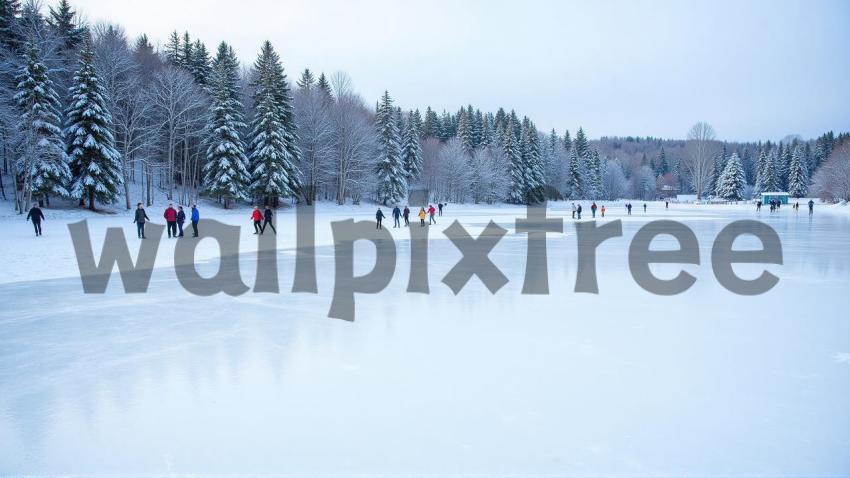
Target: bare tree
<point>453,176</point>
<point>354,147</point>
<point>179,106</point>
<point>315,138</point>
<point>699,159</point>
<point>488,181</point>
<point>832,181</point>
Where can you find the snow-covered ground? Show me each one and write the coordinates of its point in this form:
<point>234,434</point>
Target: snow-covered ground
<point>703,383</point>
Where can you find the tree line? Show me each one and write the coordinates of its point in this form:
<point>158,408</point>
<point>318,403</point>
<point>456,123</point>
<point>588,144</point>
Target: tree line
<point>87,113</point>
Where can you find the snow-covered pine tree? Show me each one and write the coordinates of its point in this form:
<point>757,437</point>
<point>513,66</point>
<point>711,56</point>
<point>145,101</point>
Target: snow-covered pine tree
<point>730,184</point>
<point>575,178</point>
<point>44,159</point>
<point>307,81</point>
<point>271,158</point>
<point>568,142</point>
<point>324,86</point>
<point>465,131</point>
<point>798,177</point>
<point>580,144</point>
<point>532,163</point>
<point>95,163</point>
<point>173,49</point>
<point>392,185</point>
<point>9,10</point>
<point>761,162</point>
<point>594,179</point>
<point>411,150</point>
<point>200,63</point>
<point>662,167</point>
<point>62,21</point>
<point>431,125</point>
<point>785,166</point>
<point>516,172</point>
<point>770,178</point>
<point>225,173</point>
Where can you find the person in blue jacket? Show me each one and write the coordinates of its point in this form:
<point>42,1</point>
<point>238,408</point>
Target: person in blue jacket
<point>181,218</point>
<point>196,216</point>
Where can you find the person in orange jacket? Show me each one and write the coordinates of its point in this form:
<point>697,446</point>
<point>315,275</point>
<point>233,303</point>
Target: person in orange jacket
<point>602,210</point>
<point>257,217</point>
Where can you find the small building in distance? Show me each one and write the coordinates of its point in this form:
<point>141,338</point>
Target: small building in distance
<point>768,196</point>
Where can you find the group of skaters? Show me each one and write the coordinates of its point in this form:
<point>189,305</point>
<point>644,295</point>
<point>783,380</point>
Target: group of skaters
<point>398,214</point>
<point>577,209</point>
<point>174,220</point>
<point>774,206</point>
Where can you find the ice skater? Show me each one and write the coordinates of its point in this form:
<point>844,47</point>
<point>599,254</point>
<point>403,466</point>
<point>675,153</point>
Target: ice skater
<point>629,208</point>
<point>268,221</point>
<point>578,211</point>
<point>396,217</point>
<point>574,210</point>
<point>379,216</point>
<point>196,216</point>
<point>812,207</point>
<point>758,206</point>
<point>440,207</point>
<point>181,218</point>
<point>36,216</point>
<point>602,210</point>
<point>257,218</point>
<point>170,216</point>
<point>644,208</point>
<point>593,210</point>
<point>422,217</point>
<point>140,219</point>
<point>406,214</point>
<point>431,212</point>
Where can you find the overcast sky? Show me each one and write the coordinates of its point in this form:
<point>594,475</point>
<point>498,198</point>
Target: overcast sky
<point>755,70</point>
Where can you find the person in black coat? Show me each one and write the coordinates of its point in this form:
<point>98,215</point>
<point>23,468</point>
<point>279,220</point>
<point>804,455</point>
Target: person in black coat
<point>267,219</point>
<point>396,217</point>
<point>140,219</point>
<point>406,215</point>
<point>36,216</point>
<point>181,218</point>
<point>379,216</point>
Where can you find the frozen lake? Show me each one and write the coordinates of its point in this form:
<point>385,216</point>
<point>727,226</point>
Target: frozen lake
<point>704,383</point>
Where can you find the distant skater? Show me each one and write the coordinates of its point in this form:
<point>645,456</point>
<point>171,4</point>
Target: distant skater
<point>406,214</point>
<point>431,212</point>
<point>181,218</point>
<point>196,216</point>
<point>758,206</point>
<point>379,216</point>
<point>812,207</point>
<point>36,216</point>
<point>170,216</point>
<point>666,204</point>
<point>422,217</point>
<point>268,220</point>
<point>593,210</point>
<point>396,217</point>
<point>602,210</point>
<point>140,219</point>
<point>578,211</point>
<point>257,218</point>
<point>629,208</point>
<point>440,207</point>
<point>644,208</point>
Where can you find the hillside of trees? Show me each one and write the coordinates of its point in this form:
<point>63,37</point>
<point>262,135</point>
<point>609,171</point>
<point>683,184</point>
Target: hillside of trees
<point>86,113</point>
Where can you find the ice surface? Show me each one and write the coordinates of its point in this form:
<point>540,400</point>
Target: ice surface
<point>704,383</point>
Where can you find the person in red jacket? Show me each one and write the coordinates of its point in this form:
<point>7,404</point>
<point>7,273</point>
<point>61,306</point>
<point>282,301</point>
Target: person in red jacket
<point>257,217</point>
<point>171,220</point>
<point>431,212</point>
